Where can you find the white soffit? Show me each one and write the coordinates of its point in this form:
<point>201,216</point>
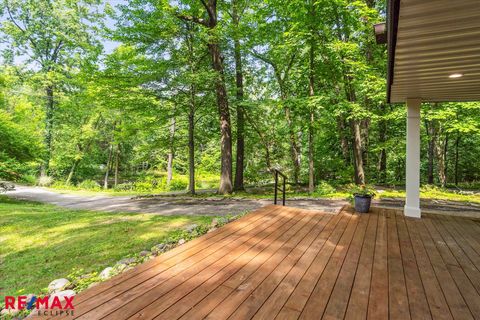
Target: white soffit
<point>435,39</point>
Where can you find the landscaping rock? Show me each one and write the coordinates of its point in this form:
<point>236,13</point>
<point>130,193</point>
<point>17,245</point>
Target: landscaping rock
<point>145,253</point>
<point>127,261</point>
<point>181,241</point>
<point>191,228</point>
<point>157,249</point>
<point>61,295</point>
<point>120,267</point>
<point>211,230</point>
<point>214,223</point>
<point>58,285</point>
<point>106,273</point>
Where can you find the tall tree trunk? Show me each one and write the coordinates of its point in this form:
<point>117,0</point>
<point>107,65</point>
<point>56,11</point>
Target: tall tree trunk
<point>171,152</point>
<point>107,167</point>
<point>191,143</point>
<point>431,151</point>
<point>357,152</point>
<point>117,161</point>
<point>49,113</point>
<point>440,154</point>
<point>72,171</point>
<point>225,124</point>
<point>445,157</point>
<point>457,143</point>
<point>238,185</point>
<point>311,86</point>
<point>294,149</point>
<point>210,6</point>
<point>382,138</point>
<point>356,135</point>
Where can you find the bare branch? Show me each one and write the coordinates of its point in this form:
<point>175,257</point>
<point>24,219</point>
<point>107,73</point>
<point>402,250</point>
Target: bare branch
<point>263,58</point>
<point>209,6</point>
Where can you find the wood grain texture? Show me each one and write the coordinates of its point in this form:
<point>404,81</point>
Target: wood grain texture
<point>286,263</point>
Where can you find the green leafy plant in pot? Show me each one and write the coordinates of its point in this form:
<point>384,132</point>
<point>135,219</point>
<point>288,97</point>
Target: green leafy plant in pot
<point>362,198</point>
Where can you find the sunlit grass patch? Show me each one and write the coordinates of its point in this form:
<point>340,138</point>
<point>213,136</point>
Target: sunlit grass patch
<point>40,243</point>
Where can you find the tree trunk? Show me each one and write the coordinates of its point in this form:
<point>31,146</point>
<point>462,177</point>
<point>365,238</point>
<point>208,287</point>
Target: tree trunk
<point>311,172</point>
<point>117,160</point>
<point>221,93</point>
<point>171,152</point>
<point>457,142</point>
<point>238,186</point>
<point>341,127</point>
<point>357,152</point>
<point>431,151</point>
<point>191,144</point>
<point>225,124</point>
<point>107,171</point>
<point>72,171</point>
<point>356,135</point>
<point>445,157</point>
<point>294,153</point>
<point>49,112</point>
<point>382,138</point>
<point>440,156</point>
<point>311,85</point>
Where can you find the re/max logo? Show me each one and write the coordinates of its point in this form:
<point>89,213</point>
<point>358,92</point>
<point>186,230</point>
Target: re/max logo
<point>20,303</point>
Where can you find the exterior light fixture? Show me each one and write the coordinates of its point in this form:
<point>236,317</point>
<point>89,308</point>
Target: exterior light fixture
<point>455,75</point>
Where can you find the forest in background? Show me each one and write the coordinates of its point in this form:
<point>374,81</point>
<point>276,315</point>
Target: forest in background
<point>212,94</point>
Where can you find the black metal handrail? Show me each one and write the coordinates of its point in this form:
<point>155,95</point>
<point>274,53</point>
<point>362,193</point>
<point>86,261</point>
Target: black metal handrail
<point>278,173</point>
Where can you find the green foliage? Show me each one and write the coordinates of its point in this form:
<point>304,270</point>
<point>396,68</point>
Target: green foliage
<point>323,188</point>
<point>179,183</point>
<point>315,61</point>
<point>363,190</point>
<point>89,185</point>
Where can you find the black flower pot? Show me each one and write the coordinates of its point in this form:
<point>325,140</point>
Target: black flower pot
<point>362,203</point>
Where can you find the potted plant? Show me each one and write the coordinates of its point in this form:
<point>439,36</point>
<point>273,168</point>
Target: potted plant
<point>362,196</point>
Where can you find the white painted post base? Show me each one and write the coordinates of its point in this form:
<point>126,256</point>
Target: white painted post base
<point>412,203</point>
<point>412,212</point>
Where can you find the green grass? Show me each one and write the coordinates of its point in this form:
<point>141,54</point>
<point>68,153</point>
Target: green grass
<point>40,243</point>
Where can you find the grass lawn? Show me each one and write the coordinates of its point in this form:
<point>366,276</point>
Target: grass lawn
<point>40,243</point>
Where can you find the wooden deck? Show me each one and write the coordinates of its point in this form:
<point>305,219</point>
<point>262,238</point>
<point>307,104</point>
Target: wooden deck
<point>285,263</point>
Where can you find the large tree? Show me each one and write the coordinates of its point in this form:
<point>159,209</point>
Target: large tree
<point>55,38</point>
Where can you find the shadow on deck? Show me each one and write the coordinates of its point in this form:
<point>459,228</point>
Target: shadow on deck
<point>286,263</point>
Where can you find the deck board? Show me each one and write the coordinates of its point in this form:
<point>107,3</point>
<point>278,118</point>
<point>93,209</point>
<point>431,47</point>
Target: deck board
<point>286,263</point>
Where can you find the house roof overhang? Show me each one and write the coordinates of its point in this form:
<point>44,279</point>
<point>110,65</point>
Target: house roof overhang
<point>429,41</point>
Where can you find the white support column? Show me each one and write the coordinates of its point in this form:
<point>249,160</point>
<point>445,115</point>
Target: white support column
<point>412,204</point>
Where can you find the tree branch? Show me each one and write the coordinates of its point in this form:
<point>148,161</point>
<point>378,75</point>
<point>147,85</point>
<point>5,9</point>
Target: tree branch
<point>192,19</point>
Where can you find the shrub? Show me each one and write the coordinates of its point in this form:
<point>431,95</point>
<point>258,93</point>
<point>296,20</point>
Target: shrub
<point>178,184</point>
<point>61,185</point>
<point>128,186</point>
<point>89,185</point>
<point>143,186</point>
<point>45,181</point>
<point>324,188</point>
<point>29,179</point>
